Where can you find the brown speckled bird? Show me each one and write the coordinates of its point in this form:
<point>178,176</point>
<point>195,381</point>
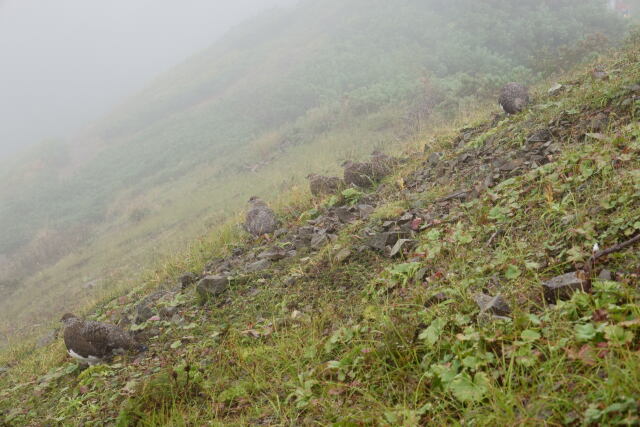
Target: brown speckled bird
<point>324,185</point>
<point>514,98</point>
<point>260,218</point>
<point>358,174</point>
<point>382,165</point>
<point>95,342</point>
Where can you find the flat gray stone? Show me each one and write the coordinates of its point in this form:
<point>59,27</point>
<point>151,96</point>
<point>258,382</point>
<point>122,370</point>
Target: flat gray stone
<point>380,241</point>
<point>400,245</point>
<point>273,255</point>
<point>345,215</point>
<point>433,159</point>
<point>319,240</point>
<point>562,287</point>
<point>258,266</point>
<point>606,275</point>
<point>342,256</point>
<point>494,305</point>
<point>143,313</point>
<point>365,210</point>
<point>168,312</point>
<point>212,286</point>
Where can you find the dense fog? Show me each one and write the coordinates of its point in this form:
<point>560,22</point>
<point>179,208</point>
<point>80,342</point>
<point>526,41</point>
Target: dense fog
<point>65,62</point>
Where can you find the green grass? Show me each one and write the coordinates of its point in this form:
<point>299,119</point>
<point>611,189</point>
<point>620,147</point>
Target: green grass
<point>364,343</point>
<point>173,163</point>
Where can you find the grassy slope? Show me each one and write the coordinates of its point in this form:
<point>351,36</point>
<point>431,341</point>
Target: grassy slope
<point>174,156</point>
<point>362,342</point>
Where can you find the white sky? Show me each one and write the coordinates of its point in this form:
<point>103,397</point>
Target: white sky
<point>64,63</point>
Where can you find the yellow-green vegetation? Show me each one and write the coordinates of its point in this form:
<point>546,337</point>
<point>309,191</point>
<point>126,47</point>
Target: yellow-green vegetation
<point>292,92</point>
<point>379,341</point>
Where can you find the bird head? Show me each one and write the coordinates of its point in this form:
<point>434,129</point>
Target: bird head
<point>69,318</point>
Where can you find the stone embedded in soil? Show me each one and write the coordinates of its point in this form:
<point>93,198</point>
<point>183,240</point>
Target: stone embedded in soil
<point>400,245</point>
<point>433,159</point>
<point>365,210</point>
<point>542,135</point>
<point>187,279</point>
<point>319,240</point>
<point>494,305</point>
<point>600,75</point>
<point>143,313</point>
<point>606,275</point>
<point>380,241</point>
<point>168,312</point>
<point>258,266</point>
<point>344,214</point>
<point>273,255</point>
<point>562,287</point>
<point>212,286</point>
<point>342,256</point>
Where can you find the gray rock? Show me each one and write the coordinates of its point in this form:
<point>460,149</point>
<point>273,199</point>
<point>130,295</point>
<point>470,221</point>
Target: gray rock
<point>606,275</point>
<point>273,255</point>
<point>258,266</point>
<point>290,281</point>
<point>599,74</point>
<point>3,370</point>
<point>187,279</point>
<point>494,305</point>
<point>562,287</point>
<point>381,241</point>
<point>344,214</point>
<point>541,135</point>
<point>365,210</point>
<point>176,319</point>
<point>434,159</point>
<point>143,313</point>
<point>324,185</point>
<point>168,312</point>
<point>400,245</point>
<point>319,240</point>
<point>212,286</point>
<point>280,232</point>
<point>358,174</point>
<point>555,89</point>
<point>342,256</point>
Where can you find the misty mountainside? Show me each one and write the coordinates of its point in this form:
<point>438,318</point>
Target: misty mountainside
<point>291,92</point>
<point>490,278</point>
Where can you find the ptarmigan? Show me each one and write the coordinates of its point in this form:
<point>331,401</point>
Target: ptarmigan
<point>95,342</point>
<point>514,98</point>
<point>324,185</point>
<point>260,218</point>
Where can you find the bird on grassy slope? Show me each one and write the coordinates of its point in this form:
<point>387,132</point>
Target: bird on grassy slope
<point>95,342</point>
<point>260,218</point>
<point>514,98</point>
<point>323,185</point>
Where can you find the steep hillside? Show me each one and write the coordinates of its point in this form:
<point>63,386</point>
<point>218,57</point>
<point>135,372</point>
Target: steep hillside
<point>430,299</point>
<point>293,92</point>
